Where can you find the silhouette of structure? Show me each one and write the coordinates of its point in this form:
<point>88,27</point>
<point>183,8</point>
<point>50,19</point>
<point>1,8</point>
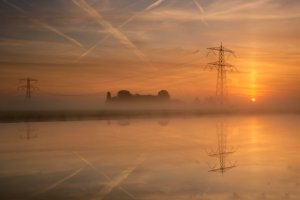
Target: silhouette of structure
<point>28,86</point>
<point>221,152</point>
<point>124,96</point>
<point>222,68</point>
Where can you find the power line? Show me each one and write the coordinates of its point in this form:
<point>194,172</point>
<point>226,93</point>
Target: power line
<point>222,68</point>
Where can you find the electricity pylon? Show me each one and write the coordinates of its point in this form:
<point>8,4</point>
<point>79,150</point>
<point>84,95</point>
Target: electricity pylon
<point>221,152</point>
<point>222,68</point>
<point>28,86</point>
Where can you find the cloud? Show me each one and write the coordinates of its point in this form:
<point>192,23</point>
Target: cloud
<point>238,7</point>
<point>183,16</point>
<point>109,27</point>
<point>200,9</point>
<point>150,7</point>
<point>155,4</point>
<point>44,25</point>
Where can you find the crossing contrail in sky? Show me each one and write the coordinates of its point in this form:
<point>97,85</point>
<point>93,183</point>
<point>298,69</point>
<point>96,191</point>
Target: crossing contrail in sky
<point>44,25</point>
<point>150,7</point>
<point>123,39</point>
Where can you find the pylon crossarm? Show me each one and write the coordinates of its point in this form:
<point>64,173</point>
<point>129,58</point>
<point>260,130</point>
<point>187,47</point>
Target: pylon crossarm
<point>211,51</point>
<point>228,50</point>
<point>231,68</point>
<point>220,153</point>
<point>217,63</point>
<point>214,48</point>
<point>210,67</point>
<point>222,169</point>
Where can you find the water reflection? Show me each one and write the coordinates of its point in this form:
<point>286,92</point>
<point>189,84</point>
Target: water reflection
<point>89,159</point>
<point>163,122</point>
<point>29,133</point>
<point>111,182</point>
<point>222,151</point>
<point>124,122</point>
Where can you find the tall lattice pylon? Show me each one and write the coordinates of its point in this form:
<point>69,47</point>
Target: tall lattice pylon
<point>222,68</point>
<point>28,86</point>
<point>222,151</point>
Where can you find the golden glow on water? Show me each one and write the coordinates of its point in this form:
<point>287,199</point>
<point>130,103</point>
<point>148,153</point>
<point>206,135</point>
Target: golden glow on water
<point>152,158</point>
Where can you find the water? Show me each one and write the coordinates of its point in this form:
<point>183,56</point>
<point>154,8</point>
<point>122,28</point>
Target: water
<point>217,158</point>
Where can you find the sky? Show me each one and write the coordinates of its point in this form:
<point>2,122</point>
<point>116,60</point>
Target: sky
<point>89,47</point>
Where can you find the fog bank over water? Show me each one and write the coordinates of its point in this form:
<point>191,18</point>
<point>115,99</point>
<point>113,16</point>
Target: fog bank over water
<point>98,103</point>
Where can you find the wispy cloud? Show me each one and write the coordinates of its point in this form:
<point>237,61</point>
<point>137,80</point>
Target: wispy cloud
<point>236,8</point>
<point>200,9</point>
<point>199,6</point>
<point>218,11</point>
<point>123,39</point>
<point>183,15</point>
<point>150,7</point>
<point>44,25</point>
<point>155,4</point>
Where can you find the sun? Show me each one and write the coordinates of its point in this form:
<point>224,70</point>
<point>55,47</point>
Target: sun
<point>253,99</point>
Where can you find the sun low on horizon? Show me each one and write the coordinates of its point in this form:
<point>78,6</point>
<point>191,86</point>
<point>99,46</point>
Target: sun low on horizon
<point>84,47</point>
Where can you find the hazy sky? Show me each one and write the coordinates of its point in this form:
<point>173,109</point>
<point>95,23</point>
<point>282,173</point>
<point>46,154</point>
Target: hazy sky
<point>94,46</point>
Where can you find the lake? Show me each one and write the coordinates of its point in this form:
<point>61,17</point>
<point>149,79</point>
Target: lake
<point>205,158</point>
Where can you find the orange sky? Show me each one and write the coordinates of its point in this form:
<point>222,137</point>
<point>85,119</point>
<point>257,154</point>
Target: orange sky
<point>90,46</point>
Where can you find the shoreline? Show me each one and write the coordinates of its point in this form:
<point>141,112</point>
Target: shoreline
<point>81,115</point>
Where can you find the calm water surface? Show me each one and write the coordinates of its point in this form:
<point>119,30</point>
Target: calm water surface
<point>217,158</point>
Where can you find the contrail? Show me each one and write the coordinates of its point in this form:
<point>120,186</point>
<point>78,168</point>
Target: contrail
<point>107,177</point>
<point>150,7</point>
<point>200,9</point>
<point>117,181</point>
<point>240,7</point>
<point>54,185</point>
<point>109,27</point>
<point>155,4</point>
<point>92,48</point>
<point>199,6</point>
<point>43,24</point>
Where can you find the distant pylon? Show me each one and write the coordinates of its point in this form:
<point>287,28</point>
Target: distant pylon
<point>28,86</point>
<point>222,68</point>
<point>29,135</point>
<point>221,152</point>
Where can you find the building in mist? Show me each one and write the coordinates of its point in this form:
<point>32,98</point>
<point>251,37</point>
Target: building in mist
<point>124,96</point>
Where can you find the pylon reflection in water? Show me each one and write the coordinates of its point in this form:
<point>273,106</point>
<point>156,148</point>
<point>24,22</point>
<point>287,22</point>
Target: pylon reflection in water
<point>222,151</point>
